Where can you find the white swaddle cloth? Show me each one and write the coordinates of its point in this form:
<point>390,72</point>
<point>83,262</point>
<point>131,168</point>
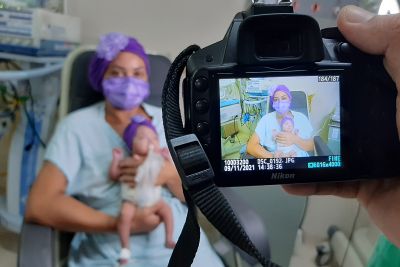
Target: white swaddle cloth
<point>145,193</point>
<point>285,149</point>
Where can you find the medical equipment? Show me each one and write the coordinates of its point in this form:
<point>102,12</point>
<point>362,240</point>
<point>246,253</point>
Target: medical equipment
<point>38,83</point>
<point>38,32</point>
<point>6,120</point>
<point>230,109</point>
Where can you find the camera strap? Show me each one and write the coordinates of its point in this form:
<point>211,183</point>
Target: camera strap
<point>197,178</point>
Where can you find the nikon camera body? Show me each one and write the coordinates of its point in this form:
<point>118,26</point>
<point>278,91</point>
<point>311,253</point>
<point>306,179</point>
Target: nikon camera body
<point>280,101</point>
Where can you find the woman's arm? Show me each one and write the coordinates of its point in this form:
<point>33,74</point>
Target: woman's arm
<point>49,205</point>
<point>256,150</point>
<point>288,139</point>
<point>305,144</point>
<point>170,178</point>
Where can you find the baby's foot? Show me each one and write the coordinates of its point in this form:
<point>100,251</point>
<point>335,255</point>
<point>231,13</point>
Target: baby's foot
<point>117,156</point>
<point>170,244</point>
<point>124,256</point>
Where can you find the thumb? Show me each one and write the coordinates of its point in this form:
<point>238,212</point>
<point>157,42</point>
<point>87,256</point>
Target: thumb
<point>373,34</point>
<point>364,30</point>
<point>379,35</point>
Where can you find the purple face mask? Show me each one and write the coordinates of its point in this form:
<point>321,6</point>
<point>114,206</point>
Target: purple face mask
<point>281,106</point>
<point>125,92</point>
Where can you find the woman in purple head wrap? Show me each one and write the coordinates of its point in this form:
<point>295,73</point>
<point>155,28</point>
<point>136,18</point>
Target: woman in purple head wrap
<point>111,47</point>
<point>74,192</point>
<point>268,135</point>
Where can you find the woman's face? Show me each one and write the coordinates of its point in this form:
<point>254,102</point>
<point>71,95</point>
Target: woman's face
<point>281,102</point>
<point>127,64</point>
<point>280,96</point>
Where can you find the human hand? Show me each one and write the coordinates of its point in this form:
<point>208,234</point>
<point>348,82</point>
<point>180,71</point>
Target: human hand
<point>380,198</point>
<point>379,35</point>
<point>128,169</point>
<point>117,156</point>
<point>274,134</point>
<point>286,138</point>
<point>145,220</point>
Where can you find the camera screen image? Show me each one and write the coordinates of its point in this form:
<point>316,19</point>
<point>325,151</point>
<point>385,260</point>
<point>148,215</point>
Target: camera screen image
<point>276,123</point>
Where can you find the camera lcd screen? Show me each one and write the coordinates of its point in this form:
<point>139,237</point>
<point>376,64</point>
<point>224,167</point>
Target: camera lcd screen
<point>278,123</point>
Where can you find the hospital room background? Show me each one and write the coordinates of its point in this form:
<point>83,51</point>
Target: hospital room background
<point>30,85</point>
<point>243,102</point>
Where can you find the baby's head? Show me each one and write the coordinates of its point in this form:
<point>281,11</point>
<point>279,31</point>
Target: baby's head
<point>287,124</point>
<point>145,137</point>
<point>140,135</point>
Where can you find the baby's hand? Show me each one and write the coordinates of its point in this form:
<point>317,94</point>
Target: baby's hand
<point>117,156</point>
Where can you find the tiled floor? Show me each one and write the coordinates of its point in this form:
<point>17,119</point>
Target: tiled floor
<point>8,248</point>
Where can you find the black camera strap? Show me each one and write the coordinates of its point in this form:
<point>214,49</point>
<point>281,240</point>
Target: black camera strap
<point>197,179</point>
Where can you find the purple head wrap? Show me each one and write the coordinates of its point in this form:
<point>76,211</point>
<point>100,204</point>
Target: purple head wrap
<point>109,47</point>
<point>130,131</point>
<point>281,88</point>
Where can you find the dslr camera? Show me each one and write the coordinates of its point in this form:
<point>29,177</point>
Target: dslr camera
<point>279,101</point>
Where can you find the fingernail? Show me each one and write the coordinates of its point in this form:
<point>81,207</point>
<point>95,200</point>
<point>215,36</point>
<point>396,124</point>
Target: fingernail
<point>355,14</point>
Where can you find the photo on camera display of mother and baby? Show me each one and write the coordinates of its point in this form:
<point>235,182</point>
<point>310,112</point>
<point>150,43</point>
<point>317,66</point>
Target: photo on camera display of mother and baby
<point>280,117</point>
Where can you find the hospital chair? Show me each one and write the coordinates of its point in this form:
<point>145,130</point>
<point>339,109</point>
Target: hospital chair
<point>43,246</point>
<point>300,104</point>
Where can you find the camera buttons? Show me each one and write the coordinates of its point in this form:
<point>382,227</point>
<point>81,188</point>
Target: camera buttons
<point>343,50</point>
<point>201,83</point>
<point>202,128</point>
<point>202,105</point>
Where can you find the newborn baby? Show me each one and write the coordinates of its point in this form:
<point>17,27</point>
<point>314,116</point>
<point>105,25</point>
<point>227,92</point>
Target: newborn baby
<point>141,137</point>
<point>287,125</point>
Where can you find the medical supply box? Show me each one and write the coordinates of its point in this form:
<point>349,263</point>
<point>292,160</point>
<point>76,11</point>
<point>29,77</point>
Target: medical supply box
<point>38,32</point>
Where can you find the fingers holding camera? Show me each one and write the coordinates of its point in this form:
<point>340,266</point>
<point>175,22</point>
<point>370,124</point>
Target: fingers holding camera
<point>379,35</point>
<point>379,197</point>
<point>347,190</point>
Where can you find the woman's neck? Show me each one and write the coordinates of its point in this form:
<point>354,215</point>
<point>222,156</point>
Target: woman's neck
<point>115,116</point>
<point>286,114</point>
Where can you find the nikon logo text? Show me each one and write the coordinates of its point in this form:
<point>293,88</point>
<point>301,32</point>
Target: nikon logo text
<point>281,176</point>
